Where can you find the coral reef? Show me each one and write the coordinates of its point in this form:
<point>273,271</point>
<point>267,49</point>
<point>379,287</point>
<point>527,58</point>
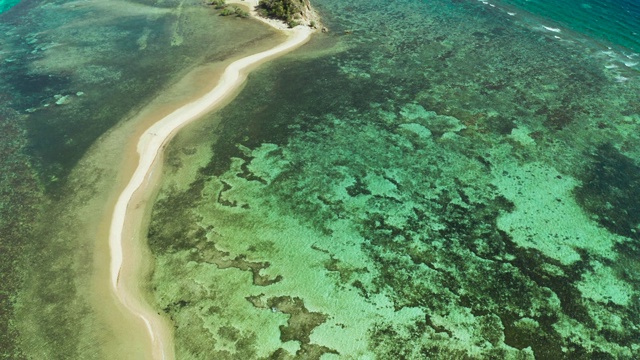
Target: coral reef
<point>428,191</point>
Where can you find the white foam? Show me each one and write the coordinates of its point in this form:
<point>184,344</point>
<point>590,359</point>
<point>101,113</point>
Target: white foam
<point>556,30</point>
<point>621,78</point>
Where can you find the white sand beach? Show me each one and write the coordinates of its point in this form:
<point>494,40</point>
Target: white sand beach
<point>125,243</point>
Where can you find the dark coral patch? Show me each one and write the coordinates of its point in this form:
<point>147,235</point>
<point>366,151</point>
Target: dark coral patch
<point>610,191</point>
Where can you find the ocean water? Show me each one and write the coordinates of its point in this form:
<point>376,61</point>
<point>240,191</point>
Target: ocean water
<point>430,179</point>
<point>612,21</point>
<point>7,4</point>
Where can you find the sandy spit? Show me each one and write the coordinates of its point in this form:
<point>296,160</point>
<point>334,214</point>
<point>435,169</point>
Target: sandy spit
<point>149,150</point>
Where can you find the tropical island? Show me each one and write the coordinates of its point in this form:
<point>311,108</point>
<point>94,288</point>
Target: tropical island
<point>291,12</point>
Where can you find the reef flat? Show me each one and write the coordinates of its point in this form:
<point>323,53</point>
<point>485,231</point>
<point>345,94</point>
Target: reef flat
<point>429,180</point>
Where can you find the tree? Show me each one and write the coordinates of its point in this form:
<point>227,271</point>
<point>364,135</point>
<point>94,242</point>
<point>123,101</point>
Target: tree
<point>285,10</point>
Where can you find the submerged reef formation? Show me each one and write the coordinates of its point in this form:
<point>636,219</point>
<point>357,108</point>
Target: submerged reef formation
<point>20,205</point>
<point>428,191</point>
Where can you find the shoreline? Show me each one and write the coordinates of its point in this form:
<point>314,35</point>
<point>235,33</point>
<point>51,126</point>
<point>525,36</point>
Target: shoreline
<point>124,228</point>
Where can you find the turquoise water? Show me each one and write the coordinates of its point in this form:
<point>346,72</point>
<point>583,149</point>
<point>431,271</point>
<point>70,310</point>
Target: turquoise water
<point>613,21</point>
<point>7,4</point>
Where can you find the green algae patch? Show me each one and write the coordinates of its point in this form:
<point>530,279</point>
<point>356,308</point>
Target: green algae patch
<point>20,205</point>
<point>609,191</point>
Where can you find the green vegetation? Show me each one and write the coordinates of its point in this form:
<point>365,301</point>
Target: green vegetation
<point>241,13</point>
<point>233,10</point>
<point>286,10</point>
<point>218,4</point>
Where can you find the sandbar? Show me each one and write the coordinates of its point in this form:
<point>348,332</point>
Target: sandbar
<point>122,233</point>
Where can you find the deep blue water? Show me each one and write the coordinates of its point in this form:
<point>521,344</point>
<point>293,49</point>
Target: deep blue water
<point>612,21</point>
